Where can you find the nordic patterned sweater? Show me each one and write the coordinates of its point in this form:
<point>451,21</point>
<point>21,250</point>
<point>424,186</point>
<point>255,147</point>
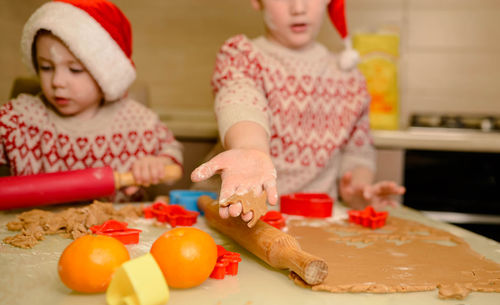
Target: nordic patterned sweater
<point>34,139</point>
<point>316,115</point>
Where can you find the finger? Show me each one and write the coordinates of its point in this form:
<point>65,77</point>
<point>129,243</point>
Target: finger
<point>235,209</point>
<point>145,174</point>
<point>367,193</point>
<point>346,179</point>
<point>242,190</point>
<point>246,217</point>
<point>159,172</point>
<point>228,188</point>
<point>272,192</point>
<point>224,212</point>
<point>136,171</point>
<point>204,171</point>
<point>130,190</point>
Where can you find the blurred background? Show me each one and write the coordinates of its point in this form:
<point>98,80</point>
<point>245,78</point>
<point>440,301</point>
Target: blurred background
<point>447,81</point>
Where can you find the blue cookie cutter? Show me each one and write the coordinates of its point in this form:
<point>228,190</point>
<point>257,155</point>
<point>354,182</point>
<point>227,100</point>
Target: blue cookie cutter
<point>189,198</point>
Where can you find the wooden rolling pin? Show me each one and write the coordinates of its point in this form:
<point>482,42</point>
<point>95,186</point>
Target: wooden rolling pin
<point>273,246</point>
<point>69,186</point>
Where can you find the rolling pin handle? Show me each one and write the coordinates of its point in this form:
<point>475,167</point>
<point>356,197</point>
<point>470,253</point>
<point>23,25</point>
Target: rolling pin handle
<point>173,172</point>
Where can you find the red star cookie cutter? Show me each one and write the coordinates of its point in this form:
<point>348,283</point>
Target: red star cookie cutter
<point>174,214</point>
<point>227,263</point>
<point>118,230</point>
<point>368,217</point>
<point>274,218</point>
<point>307,204</point>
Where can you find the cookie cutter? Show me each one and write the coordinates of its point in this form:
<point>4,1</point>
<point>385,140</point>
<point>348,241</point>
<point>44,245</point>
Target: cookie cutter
<point>274,218</point>
<point>174,214</point>
<point>118,230</point>
<point>227,263</point>
<point>368,217</point>
<point>189,198</point>
<point>317,205</point>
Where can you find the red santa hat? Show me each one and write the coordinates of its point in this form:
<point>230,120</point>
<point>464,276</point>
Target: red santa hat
<point>349,57</point>
<point>96,32</point>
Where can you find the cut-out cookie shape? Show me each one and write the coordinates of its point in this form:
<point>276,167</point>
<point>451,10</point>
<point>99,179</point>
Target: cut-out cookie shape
<point>249,203</point>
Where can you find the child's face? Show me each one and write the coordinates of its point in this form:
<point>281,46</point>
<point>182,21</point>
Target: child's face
<point>65,82</point>
<point>292,23</point>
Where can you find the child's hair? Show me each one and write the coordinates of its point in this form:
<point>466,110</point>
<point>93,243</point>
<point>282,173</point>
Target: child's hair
<point>95,31</point>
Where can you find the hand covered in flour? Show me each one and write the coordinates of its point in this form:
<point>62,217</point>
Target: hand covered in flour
<point>242,171</point>
<point>359,195</point>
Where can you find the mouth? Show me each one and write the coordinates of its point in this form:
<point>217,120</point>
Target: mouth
<point>299,27</point>
<point>61,101</point>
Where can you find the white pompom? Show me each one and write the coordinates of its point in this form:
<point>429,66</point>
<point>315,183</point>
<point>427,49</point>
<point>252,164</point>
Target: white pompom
<point>348,59</point>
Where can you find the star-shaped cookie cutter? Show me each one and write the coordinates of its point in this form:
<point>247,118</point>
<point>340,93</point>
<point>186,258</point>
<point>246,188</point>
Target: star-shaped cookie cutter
<point>227,263</point>
<point>368,217</point>
<point>118,230</point>
<point>274,218</point>
<point>174,214</point>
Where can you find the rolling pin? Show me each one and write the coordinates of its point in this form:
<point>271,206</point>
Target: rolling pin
<point>271,245</point>
<point>68,186</point>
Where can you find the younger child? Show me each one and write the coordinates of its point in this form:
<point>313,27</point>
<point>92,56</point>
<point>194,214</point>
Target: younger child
<point>292,116</point>
<point>81,51</point>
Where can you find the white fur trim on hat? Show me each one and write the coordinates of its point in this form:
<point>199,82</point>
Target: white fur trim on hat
<point>87,40</point>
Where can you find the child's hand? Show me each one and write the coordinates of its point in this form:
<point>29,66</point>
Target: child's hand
<point>360,195</point>
<point>150,170</point>
<point>242,171</point>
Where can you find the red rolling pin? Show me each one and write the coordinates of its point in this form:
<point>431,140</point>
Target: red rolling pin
<point>69,186</point>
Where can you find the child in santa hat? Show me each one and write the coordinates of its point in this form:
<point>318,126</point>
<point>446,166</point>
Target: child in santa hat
<point>292,116</point>
<point>81,51</point>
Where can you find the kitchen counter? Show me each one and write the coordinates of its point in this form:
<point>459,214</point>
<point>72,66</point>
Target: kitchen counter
<point>30,276</point>
<point>201,124</point>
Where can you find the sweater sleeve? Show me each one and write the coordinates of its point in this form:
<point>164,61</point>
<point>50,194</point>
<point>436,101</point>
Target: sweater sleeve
<point>359,149</point>
<point>238,86</point>
<point>169,147</point>
<point>6,125</point>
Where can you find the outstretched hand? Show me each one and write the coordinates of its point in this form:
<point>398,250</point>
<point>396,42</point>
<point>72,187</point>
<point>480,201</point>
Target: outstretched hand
<point>242,171</point>
<point>378,195</point>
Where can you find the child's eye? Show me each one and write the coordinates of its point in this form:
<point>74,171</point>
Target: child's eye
<point>76,70</point>
<point>45,68</point>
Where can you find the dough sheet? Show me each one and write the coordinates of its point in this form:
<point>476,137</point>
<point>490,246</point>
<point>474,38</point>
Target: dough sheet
<point>402,256</point>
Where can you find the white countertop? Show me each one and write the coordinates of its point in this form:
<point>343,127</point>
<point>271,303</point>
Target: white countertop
<point>201,124</point>
<point>29,276</point>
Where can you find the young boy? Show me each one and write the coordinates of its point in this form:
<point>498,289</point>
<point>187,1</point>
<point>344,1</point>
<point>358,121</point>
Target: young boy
<point>292,116</point>
<point>81,51</point>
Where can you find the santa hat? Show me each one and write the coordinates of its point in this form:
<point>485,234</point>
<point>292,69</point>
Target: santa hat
<point>349,57</point>
<point>96,32</point>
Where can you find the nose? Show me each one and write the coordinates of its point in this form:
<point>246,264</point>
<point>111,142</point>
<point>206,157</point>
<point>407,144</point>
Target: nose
<point>298,7</point>
<point>58,78</point>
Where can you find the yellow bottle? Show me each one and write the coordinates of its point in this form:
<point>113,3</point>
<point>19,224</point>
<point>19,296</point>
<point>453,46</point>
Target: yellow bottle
<point>379,54</point>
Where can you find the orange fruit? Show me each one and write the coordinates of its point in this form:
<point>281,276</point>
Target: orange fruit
<point>88,263</point>
<point>186,256</point>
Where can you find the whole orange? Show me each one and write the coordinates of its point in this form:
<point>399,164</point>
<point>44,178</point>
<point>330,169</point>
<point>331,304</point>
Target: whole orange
<point>186,256</point>
<point>88,263</point>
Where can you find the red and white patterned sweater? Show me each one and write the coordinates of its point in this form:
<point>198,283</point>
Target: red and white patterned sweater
<point>34,139</point>
<point>315,114</point>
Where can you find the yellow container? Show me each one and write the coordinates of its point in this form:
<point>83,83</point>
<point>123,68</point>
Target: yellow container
<point>379,54</point>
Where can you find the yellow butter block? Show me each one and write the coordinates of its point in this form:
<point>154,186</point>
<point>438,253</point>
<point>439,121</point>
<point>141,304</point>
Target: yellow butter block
<point>138,282</point>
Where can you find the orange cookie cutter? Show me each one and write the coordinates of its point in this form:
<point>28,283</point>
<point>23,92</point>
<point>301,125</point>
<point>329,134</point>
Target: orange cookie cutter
<point>227,263</point>
<point>274,218</point>
<point>174,214</point>
<point>368,217</point>
<point>118,230</point>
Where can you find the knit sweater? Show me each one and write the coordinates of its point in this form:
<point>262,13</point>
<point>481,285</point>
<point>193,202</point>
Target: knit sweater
<point>315,114</point>
<point>35,139</point>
